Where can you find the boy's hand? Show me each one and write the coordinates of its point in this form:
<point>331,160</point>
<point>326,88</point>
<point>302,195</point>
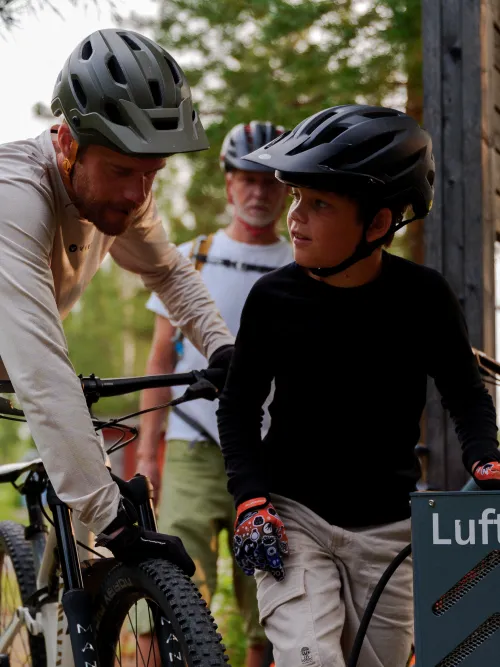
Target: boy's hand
<point>487,475</point>
<point>260,539</point>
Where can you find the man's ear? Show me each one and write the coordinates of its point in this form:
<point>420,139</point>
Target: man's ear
<point>229,187</point>
<point>68,146</point>
<point>65,139</point>
<point>380,225</point>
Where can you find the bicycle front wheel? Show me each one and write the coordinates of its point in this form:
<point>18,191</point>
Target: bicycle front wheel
<point>180,630</point>
<point>17,583</point>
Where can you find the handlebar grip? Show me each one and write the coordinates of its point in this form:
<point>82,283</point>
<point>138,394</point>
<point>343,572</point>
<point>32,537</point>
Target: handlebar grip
<point>214,375</point>
<point>7,408</point>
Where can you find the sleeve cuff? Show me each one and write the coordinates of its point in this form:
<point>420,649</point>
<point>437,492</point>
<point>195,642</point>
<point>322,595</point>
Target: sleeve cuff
<point>479,452</point>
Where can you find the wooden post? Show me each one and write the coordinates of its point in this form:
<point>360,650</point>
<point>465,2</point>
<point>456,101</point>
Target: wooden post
<point>458,70</point>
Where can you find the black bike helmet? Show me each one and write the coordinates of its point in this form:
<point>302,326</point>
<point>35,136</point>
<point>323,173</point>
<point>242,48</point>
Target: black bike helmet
<point>376,153</point>
<point>244,139</point>
<point>121,90</point>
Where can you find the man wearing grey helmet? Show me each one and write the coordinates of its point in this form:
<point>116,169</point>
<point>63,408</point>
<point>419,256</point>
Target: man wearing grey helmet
<point>68,197</point>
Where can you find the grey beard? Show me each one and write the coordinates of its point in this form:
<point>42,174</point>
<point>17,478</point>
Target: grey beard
<point>252,220</point>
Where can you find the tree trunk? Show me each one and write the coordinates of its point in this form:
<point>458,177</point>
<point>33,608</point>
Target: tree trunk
<point>414,236</point>
<point>415,109</point>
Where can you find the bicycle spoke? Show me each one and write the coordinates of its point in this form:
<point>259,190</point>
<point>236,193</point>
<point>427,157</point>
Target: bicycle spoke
<point>136,639</point>
<point>138,648</point>
<point>153,635</point>
<point>158,646</point>
<point>19,651</point>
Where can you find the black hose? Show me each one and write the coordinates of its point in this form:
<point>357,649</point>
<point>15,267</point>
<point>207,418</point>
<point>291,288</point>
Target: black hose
<point>370,607</point>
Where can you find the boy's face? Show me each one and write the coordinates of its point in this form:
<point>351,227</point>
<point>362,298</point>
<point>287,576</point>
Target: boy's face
<point>324,227</point>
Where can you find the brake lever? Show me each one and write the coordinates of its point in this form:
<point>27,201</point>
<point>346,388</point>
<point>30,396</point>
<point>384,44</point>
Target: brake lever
<point>202,388</point>
<point>7,408</point>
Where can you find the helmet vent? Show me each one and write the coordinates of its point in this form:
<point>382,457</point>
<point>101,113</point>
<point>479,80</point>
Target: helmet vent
<point>309,129</point>
<point>280,136</point>
<point>430,178</point>
<point>325,137</point>
<point>116,71</point>
<point>155,89</point>
<point>79,92</point>
<point>87,50</point>
<point>130,42</point>
<point>113,113</point>
<point>383,113</point>
<point>249,137</point>
<point>165,123</point>
<point>174,70</point>
<point>328,134</point>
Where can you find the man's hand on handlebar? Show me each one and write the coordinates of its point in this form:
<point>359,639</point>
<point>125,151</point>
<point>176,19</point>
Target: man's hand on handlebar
<point>221,359</point>
<point>211,381</point>
<point>130,543</point>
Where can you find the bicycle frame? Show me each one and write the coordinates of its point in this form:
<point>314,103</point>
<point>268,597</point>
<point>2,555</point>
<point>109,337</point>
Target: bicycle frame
<point>62,602</point>
<point>60,581</point>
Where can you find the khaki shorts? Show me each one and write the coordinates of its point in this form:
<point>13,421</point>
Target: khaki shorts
<point>195,505</point>
<point>312,617</point>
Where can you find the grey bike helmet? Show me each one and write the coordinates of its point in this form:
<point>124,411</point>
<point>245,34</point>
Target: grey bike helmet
<point>378,154</point>
<point>244,139</point>
<point>121,90</point>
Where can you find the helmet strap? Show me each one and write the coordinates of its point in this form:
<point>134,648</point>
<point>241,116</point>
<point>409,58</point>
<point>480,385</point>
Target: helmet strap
<point>363,250</point>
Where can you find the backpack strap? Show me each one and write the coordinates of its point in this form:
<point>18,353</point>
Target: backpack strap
<point>198,256</point>
<point>199,250</point>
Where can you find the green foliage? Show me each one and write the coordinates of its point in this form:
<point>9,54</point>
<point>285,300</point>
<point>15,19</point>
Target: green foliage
<point>283,60</point>
<point>14,441</point>
<point>109,332</point>
<point>224,607</point>
<point>12,10</point>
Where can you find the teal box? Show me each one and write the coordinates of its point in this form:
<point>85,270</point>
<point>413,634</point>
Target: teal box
<point>456,561</point>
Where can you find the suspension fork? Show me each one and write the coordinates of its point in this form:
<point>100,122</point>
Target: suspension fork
<point>76,601</point>
<point>36,530</point>
<point>139,491</point>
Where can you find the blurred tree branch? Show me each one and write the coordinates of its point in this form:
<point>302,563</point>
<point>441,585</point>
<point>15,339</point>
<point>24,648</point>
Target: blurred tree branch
<point>11,11</point>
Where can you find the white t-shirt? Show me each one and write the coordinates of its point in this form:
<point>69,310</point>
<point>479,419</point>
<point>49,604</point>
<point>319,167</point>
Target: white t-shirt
<point>229,287</point>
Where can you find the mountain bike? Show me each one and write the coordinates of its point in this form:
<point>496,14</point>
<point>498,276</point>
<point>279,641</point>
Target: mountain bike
<point>58,610</point>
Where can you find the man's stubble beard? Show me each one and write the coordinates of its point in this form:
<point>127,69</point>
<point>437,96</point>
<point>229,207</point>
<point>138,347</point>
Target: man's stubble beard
<point>92,210</point>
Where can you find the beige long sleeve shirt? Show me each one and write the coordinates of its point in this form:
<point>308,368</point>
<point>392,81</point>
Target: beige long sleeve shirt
<point>48,255</point>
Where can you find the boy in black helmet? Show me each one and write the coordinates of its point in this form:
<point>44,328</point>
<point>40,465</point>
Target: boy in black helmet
<point>320,513</point>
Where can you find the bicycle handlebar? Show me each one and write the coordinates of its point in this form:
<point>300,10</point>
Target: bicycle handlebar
<point>120,386</point>
<point>108,387</point>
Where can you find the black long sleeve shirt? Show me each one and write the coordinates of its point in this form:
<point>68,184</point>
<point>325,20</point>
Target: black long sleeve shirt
<point>350,367</point>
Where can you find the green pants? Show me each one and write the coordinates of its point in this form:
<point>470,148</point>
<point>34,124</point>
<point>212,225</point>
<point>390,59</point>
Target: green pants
<point>196,506</point>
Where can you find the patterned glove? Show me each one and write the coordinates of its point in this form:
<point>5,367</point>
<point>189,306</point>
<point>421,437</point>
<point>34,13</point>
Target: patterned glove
<point>487,475</point>
<point>259,538</point>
